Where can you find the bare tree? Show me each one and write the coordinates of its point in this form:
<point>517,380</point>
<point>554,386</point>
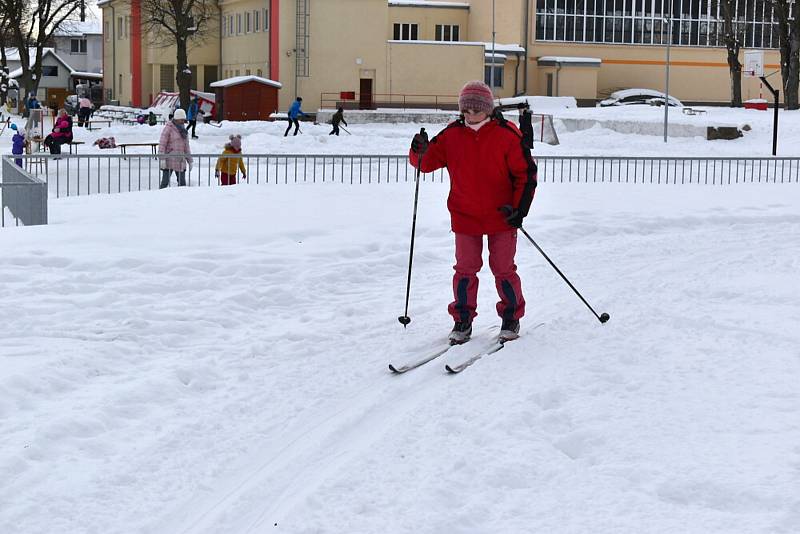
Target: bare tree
<point>182,23</point>
<point>789,42</point>
<point>732,37</point>
<point>5,34</point>
<point>31,25</point>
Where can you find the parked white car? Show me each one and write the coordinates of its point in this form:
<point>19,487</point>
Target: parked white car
<point>628,97</point>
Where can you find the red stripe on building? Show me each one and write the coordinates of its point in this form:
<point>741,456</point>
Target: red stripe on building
<point>274,40</point>
<point>136,52</point>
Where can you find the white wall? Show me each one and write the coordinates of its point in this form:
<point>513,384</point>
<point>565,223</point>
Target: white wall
<point>91,61</point>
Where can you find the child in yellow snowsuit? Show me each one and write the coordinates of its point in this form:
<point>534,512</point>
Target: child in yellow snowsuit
<point>227,166</point>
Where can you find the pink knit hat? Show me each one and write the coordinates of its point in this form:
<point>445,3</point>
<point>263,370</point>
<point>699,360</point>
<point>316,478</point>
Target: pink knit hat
<point>476,96</point>
<point>236,141</point>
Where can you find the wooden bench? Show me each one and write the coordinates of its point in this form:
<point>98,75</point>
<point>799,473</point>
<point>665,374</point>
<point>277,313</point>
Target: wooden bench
<point>75,144</point>
<point>123,147</point>
<point>89,124</point>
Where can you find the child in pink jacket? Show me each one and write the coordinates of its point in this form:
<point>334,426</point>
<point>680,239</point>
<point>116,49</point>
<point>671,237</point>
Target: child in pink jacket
<point>174,140</point>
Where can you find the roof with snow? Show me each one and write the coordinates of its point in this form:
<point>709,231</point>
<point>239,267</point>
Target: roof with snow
<point>498,47</point>
<point>576,61</point>
<point>12,54</point>
<point>87,75</point>
<point>237,80</point>
<point>75,28</point>
<point>425,3</point>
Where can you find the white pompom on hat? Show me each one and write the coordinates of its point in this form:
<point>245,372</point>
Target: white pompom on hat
<point>179,114</point>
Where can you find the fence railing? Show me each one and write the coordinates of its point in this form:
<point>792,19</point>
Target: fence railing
<point>23,198</point>
<point>25,190</point>
<point>70,175</point>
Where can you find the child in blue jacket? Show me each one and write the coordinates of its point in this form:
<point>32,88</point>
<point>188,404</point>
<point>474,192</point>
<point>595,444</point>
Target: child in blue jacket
<point>17,144</point>
<point>294,111</point>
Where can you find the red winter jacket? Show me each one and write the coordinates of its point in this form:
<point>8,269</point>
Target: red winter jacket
<point>488,169</point>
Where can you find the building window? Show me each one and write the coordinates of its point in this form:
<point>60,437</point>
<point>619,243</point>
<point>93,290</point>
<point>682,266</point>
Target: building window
<point>266,19</point>
<point>224,26</point>
<point>247,72</point>
<point>49,70</point>
<point>405,32</point>
<point>446,32</point>
<point>77,46</point>
<point>256,21</point>
<point>119,27</point>
<point>231,30</point>
<point>167,77</point>
<point>498,75</point>
<point>259,73</point>
<point>693,22</point>
<point>237,72</point>
<point>238,24</point>
<point>247,27</point>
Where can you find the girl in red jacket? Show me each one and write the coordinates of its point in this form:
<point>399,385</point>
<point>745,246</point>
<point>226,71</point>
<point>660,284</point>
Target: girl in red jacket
<point>492,182</point>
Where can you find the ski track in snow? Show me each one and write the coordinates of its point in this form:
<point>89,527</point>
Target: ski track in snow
<point>207,360</point>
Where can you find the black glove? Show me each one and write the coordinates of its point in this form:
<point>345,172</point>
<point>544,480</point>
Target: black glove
<point>419,145</point>
<point>513,216</point>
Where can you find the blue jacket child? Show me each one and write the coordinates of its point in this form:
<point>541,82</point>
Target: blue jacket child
<point>294,111</point>
<point>194,107</point>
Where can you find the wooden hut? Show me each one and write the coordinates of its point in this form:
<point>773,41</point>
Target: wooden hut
<point>246,98</point>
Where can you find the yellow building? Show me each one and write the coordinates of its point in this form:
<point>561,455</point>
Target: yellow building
<point>412,53</point>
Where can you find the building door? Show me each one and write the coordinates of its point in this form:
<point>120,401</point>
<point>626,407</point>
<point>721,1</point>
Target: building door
<point>56,97</point>
<point>365,94</point>
<point>549,84</point>
<point>209,77</point>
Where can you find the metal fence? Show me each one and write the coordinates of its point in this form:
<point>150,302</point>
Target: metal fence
<point>23,198</point>
<point>71,175</point>
<point>655,170</point>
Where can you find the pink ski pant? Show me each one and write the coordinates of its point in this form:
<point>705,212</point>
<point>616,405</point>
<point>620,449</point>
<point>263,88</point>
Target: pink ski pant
<point>469,251</point>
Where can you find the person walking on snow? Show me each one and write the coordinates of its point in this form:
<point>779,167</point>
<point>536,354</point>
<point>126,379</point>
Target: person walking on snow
<point>336,119</point>
<point>191,115</point>
<point>84,111</point>
<point>294,111</point>
<point>174,140</point>
<point>492,183</point>
<point>231,161</point>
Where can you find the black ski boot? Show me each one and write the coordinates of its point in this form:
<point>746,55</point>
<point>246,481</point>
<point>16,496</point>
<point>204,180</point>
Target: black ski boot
<point>509,331</point>
<point>460,333</point>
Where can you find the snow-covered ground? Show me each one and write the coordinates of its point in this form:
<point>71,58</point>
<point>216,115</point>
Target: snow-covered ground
<point>267,137</point>
<point>214,360</point>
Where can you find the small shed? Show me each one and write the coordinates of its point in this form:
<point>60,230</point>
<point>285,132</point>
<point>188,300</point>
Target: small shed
<point>246,98</point>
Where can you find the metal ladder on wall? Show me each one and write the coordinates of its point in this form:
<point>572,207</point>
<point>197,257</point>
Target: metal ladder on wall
<point>301,39</point>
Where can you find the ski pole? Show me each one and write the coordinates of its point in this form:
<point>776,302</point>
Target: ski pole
<point>345,129</point>
<point>405,319</point>
<point>603,317</point>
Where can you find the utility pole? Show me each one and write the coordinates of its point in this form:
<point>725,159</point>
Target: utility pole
<point>666,88</point>
<point>491,69</point>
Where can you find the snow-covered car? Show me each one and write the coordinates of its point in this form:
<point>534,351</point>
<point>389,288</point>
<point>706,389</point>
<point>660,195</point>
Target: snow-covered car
<point>628,97</point>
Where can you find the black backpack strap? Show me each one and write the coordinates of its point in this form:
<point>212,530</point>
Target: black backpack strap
<point>531,181</point>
